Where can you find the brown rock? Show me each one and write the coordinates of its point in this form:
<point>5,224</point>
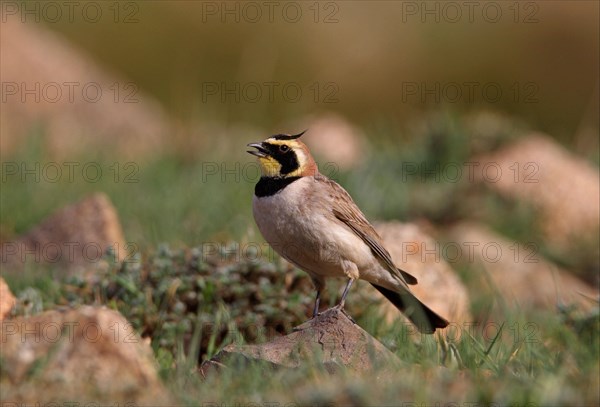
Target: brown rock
<point>7,299</point>
<point>564,187</point>
<point>87,354</point>
<point>76,235</point>
<point>420,255</point>
<point>517,272</point>
<point>331,339</point>
<point>79,104</point>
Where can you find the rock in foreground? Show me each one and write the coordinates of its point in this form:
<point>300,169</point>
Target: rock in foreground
<point>330,339</point>
<point>88,354</point>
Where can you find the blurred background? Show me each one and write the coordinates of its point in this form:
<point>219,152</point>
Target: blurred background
<point>125,124</point>
<point>186,83</point>
<point>406,104</point>
<point>159,99</point>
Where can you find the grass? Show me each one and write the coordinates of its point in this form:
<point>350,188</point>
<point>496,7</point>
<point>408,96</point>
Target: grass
<point>177,199</point>
<point>192,307</point>
<point>199,291</point>
<point>167,200</point>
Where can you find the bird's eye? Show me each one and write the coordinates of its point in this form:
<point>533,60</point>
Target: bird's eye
<point>283,148</point>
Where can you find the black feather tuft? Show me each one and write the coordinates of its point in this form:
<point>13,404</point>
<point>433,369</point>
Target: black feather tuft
<point>288,136</point>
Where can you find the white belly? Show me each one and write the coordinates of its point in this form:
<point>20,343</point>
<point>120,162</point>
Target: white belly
<point>304,233</point>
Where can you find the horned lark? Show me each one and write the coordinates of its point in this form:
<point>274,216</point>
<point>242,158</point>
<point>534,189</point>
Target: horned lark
<point>313,223</point>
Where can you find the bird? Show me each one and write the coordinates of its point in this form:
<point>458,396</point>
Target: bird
<point>313,223</point>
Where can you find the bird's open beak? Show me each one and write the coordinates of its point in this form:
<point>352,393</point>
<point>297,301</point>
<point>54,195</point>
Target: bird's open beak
<point>261,151</point>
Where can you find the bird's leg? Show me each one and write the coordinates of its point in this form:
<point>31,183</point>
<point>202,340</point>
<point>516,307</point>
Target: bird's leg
<point>319,285</point>
<point>317,302</point>
<point>345,293</point>
<point>340,306</point>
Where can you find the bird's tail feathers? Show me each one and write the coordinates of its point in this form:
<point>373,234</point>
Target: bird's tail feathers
<point>424,318</point>
<point>409,278</point>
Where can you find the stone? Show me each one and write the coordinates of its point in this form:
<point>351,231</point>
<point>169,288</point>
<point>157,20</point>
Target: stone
<point>80,105</point>
<point>76,235</point>
<point>563,187</point>
<point>331,339</point>
<point>518,273</point>
<point>7,300</point>
<point>417,253</point>
<point>90,354</point>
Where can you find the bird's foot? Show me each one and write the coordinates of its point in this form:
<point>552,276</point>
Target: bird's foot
<point>340,307</point>
<point>314,315</point>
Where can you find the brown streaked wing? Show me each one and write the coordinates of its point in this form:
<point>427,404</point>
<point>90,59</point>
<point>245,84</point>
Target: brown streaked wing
<point>346,211</point>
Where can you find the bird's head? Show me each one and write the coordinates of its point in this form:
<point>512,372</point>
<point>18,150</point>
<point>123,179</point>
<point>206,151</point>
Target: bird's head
<point>284,156</point>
